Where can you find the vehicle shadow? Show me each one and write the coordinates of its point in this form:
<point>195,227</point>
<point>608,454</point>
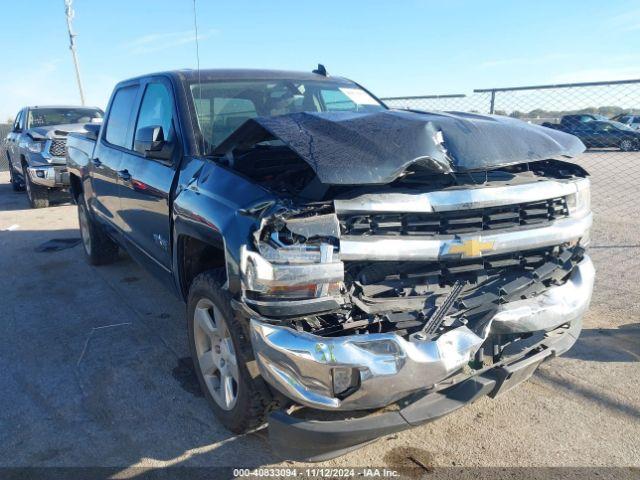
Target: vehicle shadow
<point>620,344</point>
<point>12,200</point>
<point>93,369</point>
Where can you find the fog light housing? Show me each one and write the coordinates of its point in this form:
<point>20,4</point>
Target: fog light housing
<point>40,173</point>
<point>345,381</point>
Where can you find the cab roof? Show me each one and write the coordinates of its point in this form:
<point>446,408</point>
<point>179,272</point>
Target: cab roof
<point>223,74</point>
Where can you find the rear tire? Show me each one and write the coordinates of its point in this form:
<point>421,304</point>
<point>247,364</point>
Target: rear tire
<point>626,145</point>
<point>220,349</point>
<point>98,247</point>
<point>38,195</point>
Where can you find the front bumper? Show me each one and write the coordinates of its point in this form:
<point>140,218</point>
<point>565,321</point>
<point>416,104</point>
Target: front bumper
<point>295,438</point>
<point>52,176</point>
<point>301,365</point>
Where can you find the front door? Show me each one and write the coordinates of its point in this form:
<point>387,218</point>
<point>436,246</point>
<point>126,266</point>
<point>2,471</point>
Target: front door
<point>145,183</point>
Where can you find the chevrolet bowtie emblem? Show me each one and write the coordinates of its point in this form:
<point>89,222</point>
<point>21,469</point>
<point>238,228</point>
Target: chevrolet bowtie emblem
<point>471,248</point>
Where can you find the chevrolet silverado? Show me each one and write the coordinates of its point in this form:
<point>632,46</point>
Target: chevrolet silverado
<point>348,270</point>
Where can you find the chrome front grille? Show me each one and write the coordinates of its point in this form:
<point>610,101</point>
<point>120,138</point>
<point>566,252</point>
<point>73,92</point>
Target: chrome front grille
<point>537,213</point>
<point>58,147</point>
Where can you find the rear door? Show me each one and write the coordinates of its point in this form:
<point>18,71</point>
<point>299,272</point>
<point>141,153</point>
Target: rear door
<point>115,139</point>
<point>145,183</point>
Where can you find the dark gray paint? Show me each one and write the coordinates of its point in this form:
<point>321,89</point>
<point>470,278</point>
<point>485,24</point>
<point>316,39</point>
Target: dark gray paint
<point>357,148</point>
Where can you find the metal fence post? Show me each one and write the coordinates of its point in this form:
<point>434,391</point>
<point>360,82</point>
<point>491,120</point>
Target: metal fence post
<point>493,102</point>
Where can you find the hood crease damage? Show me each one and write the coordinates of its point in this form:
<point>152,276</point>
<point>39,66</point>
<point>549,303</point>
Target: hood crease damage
<point>346,148</point>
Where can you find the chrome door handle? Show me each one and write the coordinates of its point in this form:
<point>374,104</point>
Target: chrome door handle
<point>124,175</point>
<point>96,162</point>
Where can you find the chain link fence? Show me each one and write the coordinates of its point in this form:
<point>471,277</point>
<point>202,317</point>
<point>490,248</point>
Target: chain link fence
<point>606,117</point>
<point>4,161</point>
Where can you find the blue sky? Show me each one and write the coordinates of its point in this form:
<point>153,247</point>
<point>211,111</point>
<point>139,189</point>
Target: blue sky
<point>402,47</point>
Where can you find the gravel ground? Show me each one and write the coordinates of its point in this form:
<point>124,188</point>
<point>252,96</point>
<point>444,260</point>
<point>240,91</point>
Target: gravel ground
<point>94,372</point>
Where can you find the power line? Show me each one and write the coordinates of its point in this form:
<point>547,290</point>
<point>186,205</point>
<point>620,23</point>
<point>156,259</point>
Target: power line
<point>72,45</point>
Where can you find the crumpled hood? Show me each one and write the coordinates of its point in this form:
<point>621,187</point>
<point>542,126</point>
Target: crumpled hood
<point>375,148</point>
<point>54,131</point>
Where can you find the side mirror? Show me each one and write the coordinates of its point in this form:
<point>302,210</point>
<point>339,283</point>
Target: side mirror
<point>93,130</point>
<point>150,142</point>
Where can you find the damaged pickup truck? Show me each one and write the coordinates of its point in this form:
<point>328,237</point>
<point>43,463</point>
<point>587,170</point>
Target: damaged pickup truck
<point>349,270</point>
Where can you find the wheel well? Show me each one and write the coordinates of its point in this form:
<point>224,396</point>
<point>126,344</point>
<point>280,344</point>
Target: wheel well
<point>76,187</point>
<point>195,257</point>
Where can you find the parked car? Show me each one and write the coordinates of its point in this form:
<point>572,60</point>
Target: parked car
<point>607,134</point>
<point>382,267</point>
<point>632,121</point>
<point>571,122</point>
<point>36,148</point>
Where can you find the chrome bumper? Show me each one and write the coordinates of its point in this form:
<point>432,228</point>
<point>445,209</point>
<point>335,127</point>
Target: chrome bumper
<point>300,364</point>
<point>49,175</point>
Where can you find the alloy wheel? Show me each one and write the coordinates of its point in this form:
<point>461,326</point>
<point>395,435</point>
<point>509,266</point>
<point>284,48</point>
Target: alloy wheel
<point>626,145</point>
<point>216,354</point>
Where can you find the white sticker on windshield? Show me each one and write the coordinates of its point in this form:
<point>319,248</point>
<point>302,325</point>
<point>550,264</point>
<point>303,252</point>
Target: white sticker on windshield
<point>359,97</point>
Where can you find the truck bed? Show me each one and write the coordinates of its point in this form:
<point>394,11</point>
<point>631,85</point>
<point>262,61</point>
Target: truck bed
<point>79,149</point>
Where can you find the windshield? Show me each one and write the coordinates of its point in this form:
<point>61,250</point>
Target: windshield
<point>44,117</point>
<point>222,107</point>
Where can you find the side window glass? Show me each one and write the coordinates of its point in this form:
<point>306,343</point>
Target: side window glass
<point>117,126</point>
<point>20,120</point>
<point>156,109</point>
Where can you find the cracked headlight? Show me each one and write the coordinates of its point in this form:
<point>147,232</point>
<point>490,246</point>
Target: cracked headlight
<point>291,273</point>
<point>294,258</point>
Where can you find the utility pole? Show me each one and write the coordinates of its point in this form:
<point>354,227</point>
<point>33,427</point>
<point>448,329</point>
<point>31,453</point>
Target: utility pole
<point>72,45</point>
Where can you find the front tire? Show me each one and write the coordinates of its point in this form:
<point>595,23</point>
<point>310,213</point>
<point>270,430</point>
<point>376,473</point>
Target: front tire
<point>37,194</point>
<point>16,184</point>
<point>98,247</point>
<point>220,349</point>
